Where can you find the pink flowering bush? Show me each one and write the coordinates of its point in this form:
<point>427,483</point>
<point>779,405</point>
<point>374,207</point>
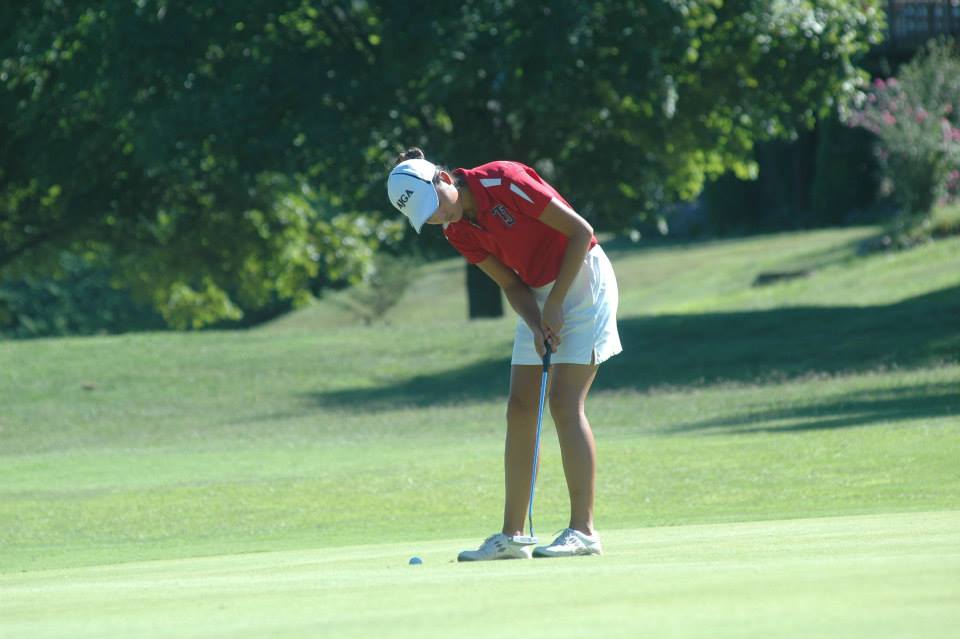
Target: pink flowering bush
<point>916,118</point>
<point>953,185</point>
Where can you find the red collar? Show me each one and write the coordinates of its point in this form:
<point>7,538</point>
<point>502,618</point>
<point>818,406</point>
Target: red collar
<point>481,198</point>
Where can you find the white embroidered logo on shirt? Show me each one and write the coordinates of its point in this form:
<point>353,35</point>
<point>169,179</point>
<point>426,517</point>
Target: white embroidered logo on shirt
<point>501,211</point>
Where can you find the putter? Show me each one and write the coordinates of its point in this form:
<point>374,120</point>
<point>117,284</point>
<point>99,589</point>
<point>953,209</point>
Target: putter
<point>532,538</point>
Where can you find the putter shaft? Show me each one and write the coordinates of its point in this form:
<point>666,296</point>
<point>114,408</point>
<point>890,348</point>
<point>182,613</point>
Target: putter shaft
<point>536,445</point>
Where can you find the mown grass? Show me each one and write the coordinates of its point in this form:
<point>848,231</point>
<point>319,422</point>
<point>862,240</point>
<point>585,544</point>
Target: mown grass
<point>834,394</point>
<point>875,576</point>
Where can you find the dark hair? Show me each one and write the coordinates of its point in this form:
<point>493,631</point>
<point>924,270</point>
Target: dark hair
<point>413,153</point>
<point>416,153</point>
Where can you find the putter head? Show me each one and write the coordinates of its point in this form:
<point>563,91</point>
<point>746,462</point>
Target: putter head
<point>524,540</point>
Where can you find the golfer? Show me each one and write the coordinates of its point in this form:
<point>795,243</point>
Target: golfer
<point>521,232</point>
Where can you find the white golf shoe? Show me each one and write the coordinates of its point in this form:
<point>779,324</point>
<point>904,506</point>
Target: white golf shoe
<point>570,543</point>
<point>497,546</point>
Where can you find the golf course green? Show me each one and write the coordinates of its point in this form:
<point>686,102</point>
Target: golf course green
<point>773,461</point>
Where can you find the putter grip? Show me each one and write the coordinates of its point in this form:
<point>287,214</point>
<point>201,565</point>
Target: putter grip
<point>546,356</point>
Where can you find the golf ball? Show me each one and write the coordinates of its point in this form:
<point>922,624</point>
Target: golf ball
<point>415,561</point>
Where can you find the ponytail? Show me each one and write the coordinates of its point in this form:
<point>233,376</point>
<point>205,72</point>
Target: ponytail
<point>416,153</point>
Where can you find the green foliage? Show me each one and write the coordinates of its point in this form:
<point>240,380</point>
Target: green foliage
<point>280,251</point>
<point>631,105</point>
<point>916,119</point>
<point>907,232</point>
<point>945,221</point>
<point>78,299</point>
<point>151,133</point>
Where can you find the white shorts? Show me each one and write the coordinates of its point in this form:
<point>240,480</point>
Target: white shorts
<point>589,333</point>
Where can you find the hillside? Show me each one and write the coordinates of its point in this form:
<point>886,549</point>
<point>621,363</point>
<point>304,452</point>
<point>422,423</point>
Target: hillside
<point>314,429</point>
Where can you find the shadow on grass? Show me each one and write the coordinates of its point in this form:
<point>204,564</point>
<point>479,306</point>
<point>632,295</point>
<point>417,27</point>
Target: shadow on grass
<point>860,408</point>
<point>710,348</point>
<point>782,343</point>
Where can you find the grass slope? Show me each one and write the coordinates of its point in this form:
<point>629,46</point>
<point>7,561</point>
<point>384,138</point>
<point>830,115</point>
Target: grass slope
<point>733,408</point>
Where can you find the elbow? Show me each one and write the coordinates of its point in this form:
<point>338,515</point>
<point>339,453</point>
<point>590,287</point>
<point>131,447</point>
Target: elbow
<point>582,228</point>
<point>585,232</point>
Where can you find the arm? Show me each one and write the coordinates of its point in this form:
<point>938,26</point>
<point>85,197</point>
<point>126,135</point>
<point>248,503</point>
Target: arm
<point>561,217</point>
<point>519,296</point>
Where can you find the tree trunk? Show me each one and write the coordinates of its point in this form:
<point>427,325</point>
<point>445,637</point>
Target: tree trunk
<point>483,294</point>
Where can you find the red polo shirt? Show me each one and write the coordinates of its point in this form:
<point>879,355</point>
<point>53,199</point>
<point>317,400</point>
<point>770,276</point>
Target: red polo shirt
<point>510,197</point>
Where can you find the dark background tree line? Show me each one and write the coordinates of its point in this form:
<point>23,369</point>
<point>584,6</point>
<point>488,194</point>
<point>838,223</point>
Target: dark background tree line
<point>221,161</point>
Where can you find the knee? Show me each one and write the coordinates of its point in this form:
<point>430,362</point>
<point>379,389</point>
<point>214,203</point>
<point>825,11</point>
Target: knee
<point>521,409</point>
<point>565,409</point>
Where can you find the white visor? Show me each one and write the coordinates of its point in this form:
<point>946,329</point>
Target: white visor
<point>411,190</point>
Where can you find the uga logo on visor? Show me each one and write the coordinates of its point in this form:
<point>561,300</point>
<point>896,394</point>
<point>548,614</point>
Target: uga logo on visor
<point>501,211</point>
<point>402,202</point>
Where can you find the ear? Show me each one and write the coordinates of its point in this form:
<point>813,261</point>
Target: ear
<point>446,177</point>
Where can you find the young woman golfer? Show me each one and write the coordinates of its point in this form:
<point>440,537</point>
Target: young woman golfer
<point>507,220</point>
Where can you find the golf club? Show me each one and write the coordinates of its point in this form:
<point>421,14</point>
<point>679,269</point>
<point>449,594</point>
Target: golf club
<point>532,538</point>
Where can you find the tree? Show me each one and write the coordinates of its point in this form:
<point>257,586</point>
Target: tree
<point>193,147</point>
<point>218,155</point>
<point>632,105</point>
<point>629,105</point>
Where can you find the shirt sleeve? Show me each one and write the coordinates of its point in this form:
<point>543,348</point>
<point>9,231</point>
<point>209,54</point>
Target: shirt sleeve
<point>466,246</point>
<point>529,191</point>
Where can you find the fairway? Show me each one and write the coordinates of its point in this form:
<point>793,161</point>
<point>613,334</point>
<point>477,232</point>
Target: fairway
<point>774,461</point>
<point>871,576</point>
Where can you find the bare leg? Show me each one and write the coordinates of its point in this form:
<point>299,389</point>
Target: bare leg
<point>568,396</point>
<point>518,450</point>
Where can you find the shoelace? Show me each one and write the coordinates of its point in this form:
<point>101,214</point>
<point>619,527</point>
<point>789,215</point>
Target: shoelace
<point>489,541</point>
<point>566,537</point>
